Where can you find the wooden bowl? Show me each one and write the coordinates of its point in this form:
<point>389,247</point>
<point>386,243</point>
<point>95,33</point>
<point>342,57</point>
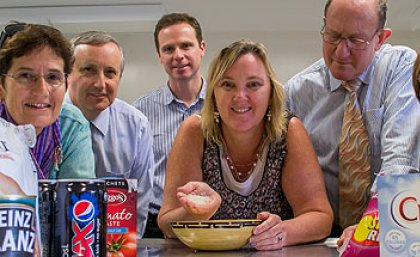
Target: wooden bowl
<point>214,235</point>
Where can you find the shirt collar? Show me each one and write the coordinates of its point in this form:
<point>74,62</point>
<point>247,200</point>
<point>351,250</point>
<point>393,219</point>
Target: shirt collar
<point>168,97</point>
<point>365,77</point>
<point>101,122</point>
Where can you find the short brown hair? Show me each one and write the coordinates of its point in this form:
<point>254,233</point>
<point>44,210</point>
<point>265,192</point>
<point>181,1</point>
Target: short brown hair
<point>176,18</point>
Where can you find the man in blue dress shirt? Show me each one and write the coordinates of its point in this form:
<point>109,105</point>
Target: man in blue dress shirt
<point>121,136</point>
<point>354,49</point>
<point>180,47</point>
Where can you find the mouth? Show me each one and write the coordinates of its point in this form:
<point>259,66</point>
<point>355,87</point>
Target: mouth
<point>180,66</point>
<point>97,94</point>
<point>241,110</point>
<point>342,62</point>
<point>38,106</point>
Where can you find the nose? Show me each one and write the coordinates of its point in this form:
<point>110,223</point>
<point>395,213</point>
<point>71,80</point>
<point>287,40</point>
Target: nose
<point>240,93</point>
<point>343,49</point>
<point>41,86</point>
<point>178,54</point>
<point>100,80</point>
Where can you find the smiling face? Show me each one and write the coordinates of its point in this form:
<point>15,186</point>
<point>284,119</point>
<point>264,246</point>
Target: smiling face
<point>38,104</point>
<point>243,95</point>
<point>179,51</point>
<point>93,84</point>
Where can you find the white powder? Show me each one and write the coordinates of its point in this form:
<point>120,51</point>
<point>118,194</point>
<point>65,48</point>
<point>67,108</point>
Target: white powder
<point>199,199</point>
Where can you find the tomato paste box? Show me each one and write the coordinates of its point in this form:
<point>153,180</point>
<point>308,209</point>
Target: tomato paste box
<point>399,214</point>
<point>121,239</point>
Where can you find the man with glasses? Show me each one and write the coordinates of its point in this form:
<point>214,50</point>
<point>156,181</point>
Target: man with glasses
<point>361,80</point>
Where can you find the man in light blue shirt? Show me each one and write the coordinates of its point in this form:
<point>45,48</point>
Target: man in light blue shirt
<point>180,47</point>
<point>354,49</point>
<point>121,135</point>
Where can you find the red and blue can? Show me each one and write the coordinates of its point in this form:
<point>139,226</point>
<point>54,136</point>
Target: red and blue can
<point>80,222</point>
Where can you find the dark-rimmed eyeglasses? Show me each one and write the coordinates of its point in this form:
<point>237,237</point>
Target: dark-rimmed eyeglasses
<point>54,79</point>
<point>9,30</point>
<point>351,42</point>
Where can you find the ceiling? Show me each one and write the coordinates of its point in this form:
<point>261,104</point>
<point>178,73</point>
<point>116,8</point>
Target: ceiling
<point>214,15</point>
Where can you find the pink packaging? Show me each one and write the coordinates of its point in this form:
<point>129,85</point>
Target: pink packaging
<point>365,240</point>
<point>121,239</point>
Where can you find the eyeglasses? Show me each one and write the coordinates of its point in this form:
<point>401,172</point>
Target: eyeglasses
<point>9,30</point>
<point>351,42</point>
<point>29,79</point>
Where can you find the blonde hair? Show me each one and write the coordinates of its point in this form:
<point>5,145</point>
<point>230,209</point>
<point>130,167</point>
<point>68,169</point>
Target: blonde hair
<point>275,128</point>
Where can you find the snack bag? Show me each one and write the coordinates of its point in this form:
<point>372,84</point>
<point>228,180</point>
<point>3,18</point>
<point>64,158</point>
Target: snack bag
<point>365,240</point>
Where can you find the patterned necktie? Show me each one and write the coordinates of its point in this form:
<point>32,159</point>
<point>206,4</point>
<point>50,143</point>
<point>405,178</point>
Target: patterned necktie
<point>354,161</point>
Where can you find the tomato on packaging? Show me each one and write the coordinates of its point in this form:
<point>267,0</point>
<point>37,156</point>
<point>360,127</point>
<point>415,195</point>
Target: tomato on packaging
<point>119,245</point>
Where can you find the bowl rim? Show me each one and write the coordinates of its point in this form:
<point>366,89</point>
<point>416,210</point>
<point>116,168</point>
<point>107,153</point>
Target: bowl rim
<point>215,223</point>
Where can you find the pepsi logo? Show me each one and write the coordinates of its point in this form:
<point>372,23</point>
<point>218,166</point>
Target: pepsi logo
<point>116,197</point>
<point>83,211</point>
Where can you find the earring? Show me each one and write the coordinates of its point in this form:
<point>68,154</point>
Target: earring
<point>216,116</point>
<point>268,115</point>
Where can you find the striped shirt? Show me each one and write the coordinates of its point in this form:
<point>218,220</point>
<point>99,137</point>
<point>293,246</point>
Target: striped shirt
<point>165,113</point>
<point>390,110</point>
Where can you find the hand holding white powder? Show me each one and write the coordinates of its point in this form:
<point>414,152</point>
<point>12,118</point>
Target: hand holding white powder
<point>199,199</point>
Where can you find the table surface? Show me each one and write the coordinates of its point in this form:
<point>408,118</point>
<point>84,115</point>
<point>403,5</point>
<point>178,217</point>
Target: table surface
<point>174,248</point>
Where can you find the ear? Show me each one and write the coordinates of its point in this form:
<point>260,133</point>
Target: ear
<point>203,48</point>
<point>2,91</point>
<point>383,36</point>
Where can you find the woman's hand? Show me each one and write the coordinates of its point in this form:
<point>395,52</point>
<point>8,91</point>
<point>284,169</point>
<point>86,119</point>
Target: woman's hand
<point>347,234</point>
<point>198,198</point>
<point>270,234</point>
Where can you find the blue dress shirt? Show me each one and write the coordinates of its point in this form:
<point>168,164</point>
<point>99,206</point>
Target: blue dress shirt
<point>165,113</point>
<point>390,110</point>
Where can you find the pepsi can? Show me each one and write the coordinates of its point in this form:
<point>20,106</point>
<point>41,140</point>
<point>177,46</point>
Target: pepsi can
<point>46,204</point>
<point>80,218</point>
<point>18,226</point>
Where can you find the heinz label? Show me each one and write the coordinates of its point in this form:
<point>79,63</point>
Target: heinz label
<point>17,226</point>
<point>399,212</point>
<point>121,219</point>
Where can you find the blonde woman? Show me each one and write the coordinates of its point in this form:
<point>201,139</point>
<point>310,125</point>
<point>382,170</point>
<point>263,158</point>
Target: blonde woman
<point>247,156</point>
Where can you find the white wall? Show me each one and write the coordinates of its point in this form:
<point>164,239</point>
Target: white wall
<point>289,53</point>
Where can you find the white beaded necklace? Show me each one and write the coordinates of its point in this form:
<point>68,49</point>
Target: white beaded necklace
<point>239,175</point>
